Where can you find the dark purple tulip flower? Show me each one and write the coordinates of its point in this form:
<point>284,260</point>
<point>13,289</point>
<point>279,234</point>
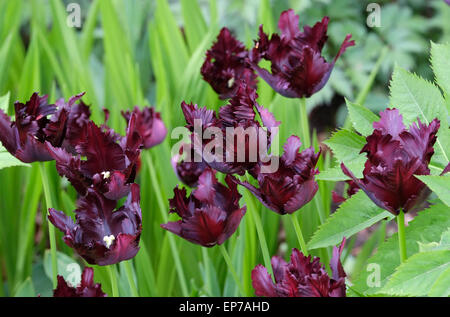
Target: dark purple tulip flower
<point>301,277</point>
<point>210,215</point>
<point>149,125</point>
<point>394,155</point>
<point>87,287</point>
<point>190,168</point>
<point>36,122</point>
<point>292,185</point>
<point>232,156</point>
<point>297,67</point>
<point>102,235</point>
<point>110,165</point>
<point>226,65</point>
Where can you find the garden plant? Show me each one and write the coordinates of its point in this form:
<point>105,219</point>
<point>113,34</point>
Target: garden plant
<point>215,148</point>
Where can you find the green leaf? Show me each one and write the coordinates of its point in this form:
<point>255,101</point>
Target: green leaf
<point>346,145</point>
<point>67,267</point>
<point>335,173</point>
<point>417,275</point>
<point>444,244</point>
<point>426,227</point>
<point>355,214</point>
<point>26,289</point>
<point>438,184</point>
<point>417,98</point>
<point>441,288</point>
<point>4,102</point>
<point>361,118</point>
<point>440,62</point>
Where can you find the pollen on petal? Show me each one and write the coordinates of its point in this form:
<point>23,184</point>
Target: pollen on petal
<point>109,240</point>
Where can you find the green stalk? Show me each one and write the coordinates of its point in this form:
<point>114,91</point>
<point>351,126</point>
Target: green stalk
<point>231,269</point>
<point>207,272</point>
<point>130,277</point>
<point>260,231</point>
<point>401,236</point>
<point>306,138</point>
<point>163,208</point>
<point>51,228</point>
<point>113,277</point>
<point>298,232</point>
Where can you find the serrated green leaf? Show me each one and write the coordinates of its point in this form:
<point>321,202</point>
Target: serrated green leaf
<point>355,214</point>
<point>426,227</point>
<point>417,98</point>
<point>361,118</point>
<point>441,288</point>
<point>440,62</point>
<point>438,184</point>
<point>444,244</point>
<point>417,275</point>
<point>345,145</point>
<point>335,173</point>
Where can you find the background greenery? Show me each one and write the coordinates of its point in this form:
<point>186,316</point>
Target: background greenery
<point>139,52</point>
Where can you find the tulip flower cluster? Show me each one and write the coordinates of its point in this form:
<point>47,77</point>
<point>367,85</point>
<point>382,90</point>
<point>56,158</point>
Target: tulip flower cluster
<point>100,164</point>
<point>211,214</point>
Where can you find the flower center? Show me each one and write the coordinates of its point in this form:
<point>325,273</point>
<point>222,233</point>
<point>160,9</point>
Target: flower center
<point>109,240</point>
<point>106,175</point>
<point>231,82</point>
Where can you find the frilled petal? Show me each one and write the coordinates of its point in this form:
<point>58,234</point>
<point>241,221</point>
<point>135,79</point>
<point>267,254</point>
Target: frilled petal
<point>297,67</point>
<point>240,108</point>
<point>8,133</point>
<point>232,223</point>
<point>31,150</point>
<point>262,282</point>
<point>101,235</point>
<point>291,148</point>
<point>391,122</point>
<point>303,195</point>
<point>193,112</point>
<point>102,152</point>
<point>394,155</point>
<point>63,289</point>
<point>87,287</point>
<point>117,186</point>
<point>210,215</point>
<point>301,277</point>
<point>362,186</point>
<point>69,166</point>
<point>225,66</point>
<point>188,169</point>
<point>288,25</point>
